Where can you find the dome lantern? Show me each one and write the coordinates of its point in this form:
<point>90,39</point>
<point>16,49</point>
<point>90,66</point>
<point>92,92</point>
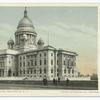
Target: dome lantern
<point>25,12</point>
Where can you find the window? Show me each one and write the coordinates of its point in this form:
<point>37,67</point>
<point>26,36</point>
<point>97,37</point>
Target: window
<point>40,62</point>
<point>40,54</point>
<point>23,64</point>
<point>44,54</point>
<point>51,62</point>
<point>57,70</point>
<point>31,62</point>
<point>57,62</point>
<point>64,62</point>
<point>45,70</point>
<point>23,57</point>
<point>68,71</point>
<point>64,70</point>
<point>31,71</point>
<point>35,55</point>
<point>24,71</point>
<point>51,70</point>
<point>51,54</point>
<point>27,71</point>
<point>72,71</point>
<point>20,64</point>
<point>20,58</point>
<point>28,63</point>
<point>35,63</point>
<point>44,61</point>
<point>35,71</point>
<point>20,72</point>
<point>40,70</point>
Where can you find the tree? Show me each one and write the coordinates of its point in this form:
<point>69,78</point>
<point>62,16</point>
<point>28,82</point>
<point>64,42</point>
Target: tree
<point>94,77</point>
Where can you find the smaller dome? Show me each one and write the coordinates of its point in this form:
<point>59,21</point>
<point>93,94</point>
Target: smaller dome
<point>40,42</point>
<point>10,42</point>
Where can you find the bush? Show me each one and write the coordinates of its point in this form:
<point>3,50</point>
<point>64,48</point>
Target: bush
<point>94,77</point>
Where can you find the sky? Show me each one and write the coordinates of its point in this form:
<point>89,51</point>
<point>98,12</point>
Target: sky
<point>70,28</point>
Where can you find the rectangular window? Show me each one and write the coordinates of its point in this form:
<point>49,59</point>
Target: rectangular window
<point>57,70</point>
<point>31,71</point>
<point>68,71</point>
<point>44,61</point>
<point>23,64</point>
<point>34,71</point>
<point>40,70</point>
<point>51,70</point>
<point>35,63</point>
<point>51,54</point>
<point>23,57</point>
<point>51,62</point>
<point>40,54</point>
<point>40,62</point>
<point>20,58</point>
<point>64,62</point>
<point>28,64</point>
<point>57,62</point>
<point>44,54</point>
<point>20,64</point>
<point>45,70</point>
<point>31,62</point>
<point>73,71</point>
<point>28,71</point>
<point>24,71</point>
<point>64,70</point>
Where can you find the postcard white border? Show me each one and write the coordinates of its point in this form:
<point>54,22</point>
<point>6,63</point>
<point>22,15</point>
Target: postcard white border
<point>57,92</point>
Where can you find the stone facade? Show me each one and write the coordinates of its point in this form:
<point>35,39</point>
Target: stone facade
<point>26,58</point>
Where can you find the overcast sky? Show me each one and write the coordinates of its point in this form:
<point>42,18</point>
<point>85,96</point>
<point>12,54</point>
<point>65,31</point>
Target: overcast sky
<point>70,28</point>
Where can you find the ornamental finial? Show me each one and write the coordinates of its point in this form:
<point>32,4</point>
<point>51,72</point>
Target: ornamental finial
<point>25,12</point>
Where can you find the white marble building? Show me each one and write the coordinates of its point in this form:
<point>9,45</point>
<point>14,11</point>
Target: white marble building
<point>27,58</point>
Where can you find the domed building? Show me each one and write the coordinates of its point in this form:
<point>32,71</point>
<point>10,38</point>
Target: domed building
<point>27,58</point>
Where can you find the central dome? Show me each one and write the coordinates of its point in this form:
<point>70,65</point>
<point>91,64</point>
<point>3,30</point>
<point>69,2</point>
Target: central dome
<point>25,24</point>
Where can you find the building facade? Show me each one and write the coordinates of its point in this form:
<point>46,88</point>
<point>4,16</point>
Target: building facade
<point>27,58</point>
